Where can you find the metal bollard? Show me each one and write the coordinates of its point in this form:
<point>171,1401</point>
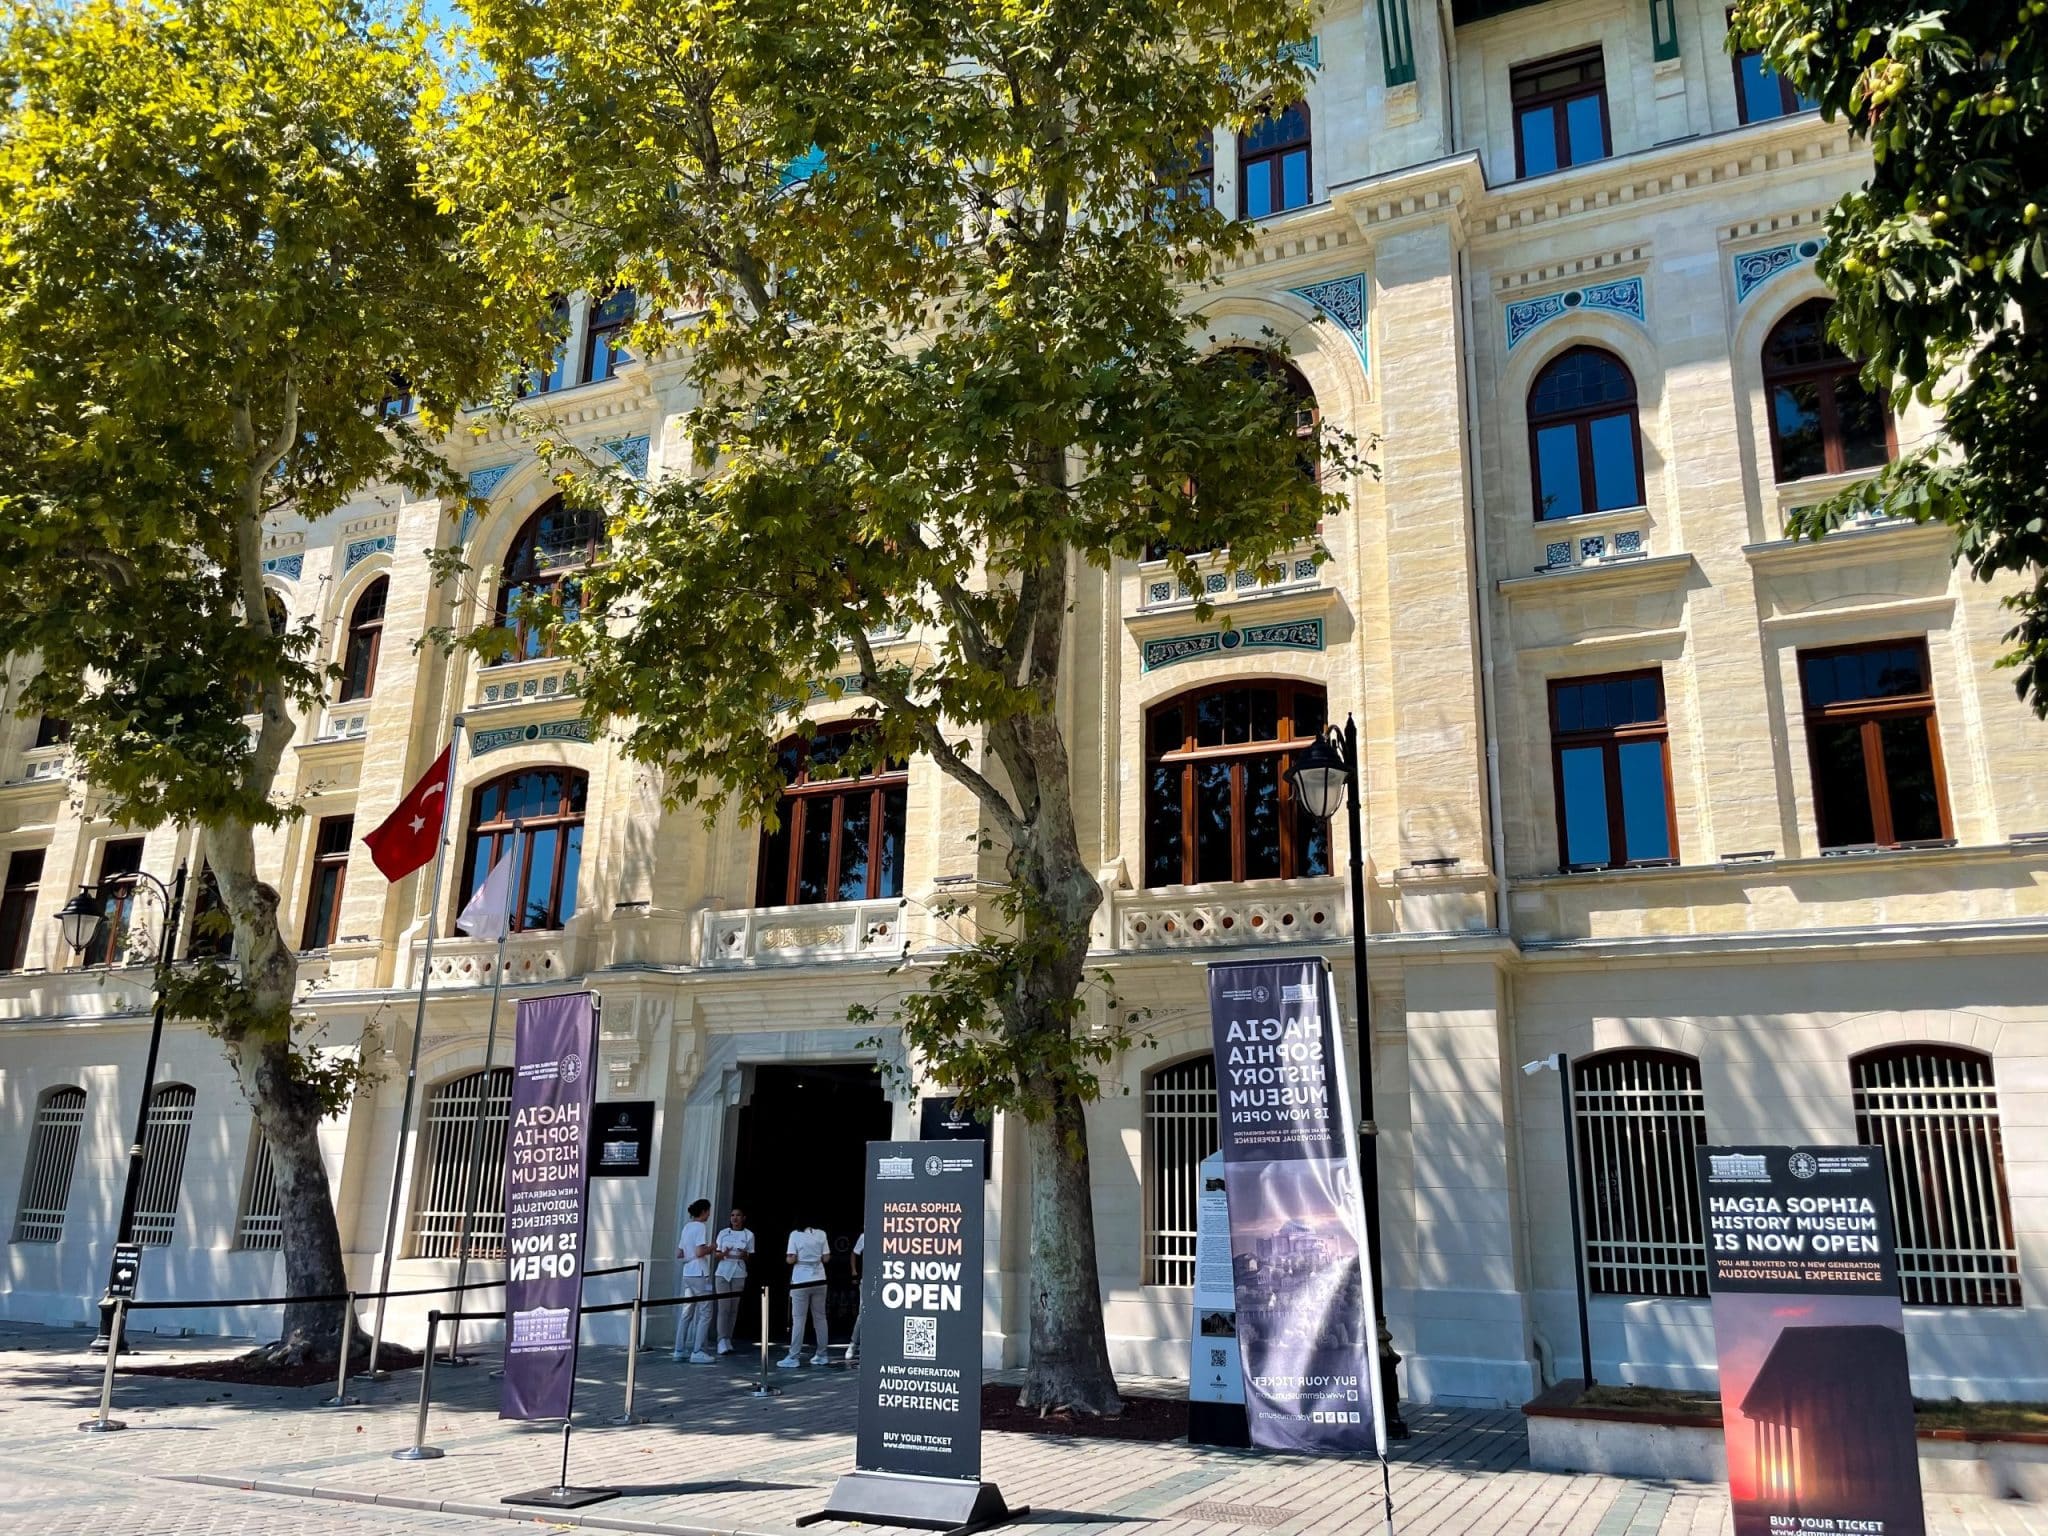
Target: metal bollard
<point>341,1399</point>
<point>419,1450</point>
<point>766,1388</point>
<point>633,1349</point>
<point>103,1424</point>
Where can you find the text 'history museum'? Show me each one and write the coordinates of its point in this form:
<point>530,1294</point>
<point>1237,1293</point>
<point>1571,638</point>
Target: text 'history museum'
<point>1752,829</point>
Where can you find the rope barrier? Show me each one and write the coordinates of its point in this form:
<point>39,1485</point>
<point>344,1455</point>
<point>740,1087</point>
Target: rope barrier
<point>333,1296</point>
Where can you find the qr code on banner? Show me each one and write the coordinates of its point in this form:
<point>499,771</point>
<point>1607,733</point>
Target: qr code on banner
<point>920,1338</point>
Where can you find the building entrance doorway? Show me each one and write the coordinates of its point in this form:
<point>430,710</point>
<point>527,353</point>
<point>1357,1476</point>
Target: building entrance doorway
<point>803,1133</point>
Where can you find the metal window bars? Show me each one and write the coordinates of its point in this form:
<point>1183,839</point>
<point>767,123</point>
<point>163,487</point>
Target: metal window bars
<point>1638,1116</point>
<point>262,1221</point>
<point>445,1130</point>
<point>165,1136</point>
<point>1180,1130</point>
<point>52,1154</point>
<point>1934,1110</point>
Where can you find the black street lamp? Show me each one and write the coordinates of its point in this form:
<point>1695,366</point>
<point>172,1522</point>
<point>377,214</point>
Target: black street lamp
<point>1328,771</point>
<point>80,921</point>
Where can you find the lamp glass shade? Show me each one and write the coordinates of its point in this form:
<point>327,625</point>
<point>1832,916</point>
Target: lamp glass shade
<point>1319,775</point>
<point>79,921</point>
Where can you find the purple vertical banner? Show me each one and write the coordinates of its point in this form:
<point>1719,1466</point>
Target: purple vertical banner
<point>547,1175</point>
<point>1305,1329</point>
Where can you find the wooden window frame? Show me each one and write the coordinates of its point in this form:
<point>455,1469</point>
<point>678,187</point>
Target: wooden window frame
<point>365,642</point>
<point>327,862</point>
<point>1826,376</point>
<point>512,580</point>
<point>1869,715</point>
<point>109,945</point>
<point>18,907</point>
<point>599,333</point>
<point>1610,739</point>
<point>803,799</point>
<point>1247,158</point>
<point>1788,98</point>
<point>1558,97</point>
<point>1189,758</point>
<point>1581,420</point>
<point>492,838</point>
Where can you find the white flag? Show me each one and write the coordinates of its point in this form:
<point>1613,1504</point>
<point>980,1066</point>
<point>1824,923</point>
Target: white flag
<point>489,913</point>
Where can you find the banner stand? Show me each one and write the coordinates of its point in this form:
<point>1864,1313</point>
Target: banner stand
<point>561,1496</point>
<point>922,1503</point>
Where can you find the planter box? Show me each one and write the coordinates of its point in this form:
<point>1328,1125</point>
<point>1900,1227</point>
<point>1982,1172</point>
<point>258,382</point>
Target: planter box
<point>1567,1437</point>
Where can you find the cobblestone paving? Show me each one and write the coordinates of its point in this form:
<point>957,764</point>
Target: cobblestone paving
<point>712,1460</point>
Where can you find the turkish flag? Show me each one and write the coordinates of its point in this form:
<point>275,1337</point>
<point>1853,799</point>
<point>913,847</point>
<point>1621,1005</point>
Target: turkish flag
<point>409,835</point>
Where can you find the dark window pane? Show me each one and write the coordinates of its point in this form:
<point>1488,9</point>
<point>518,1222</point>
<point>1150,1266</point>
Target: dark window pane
<point>1800,340</point>
<point>1646,824</point>
<point>572,866</point>
<point>1643,697</point>
<point>1557,472</point>
<point>1571,714</point>
<point>857,812</point>
<point>1294,179</point>
<point>814,872</point>
<point>1312,837</point>
<point>535,909</point>
<point>17,907</point>
<point>1593,700</point>
<point>1909,780</point>
<point>775,859</point>
<point>1795,414</point>
<point>1278,130</point>
<point>1538,128</point>
<point>1212,822</point>
<point>1895,672</point>
<point>1583,127</point>
<point>335,832</point>
<point>1761,96</point>
<point>1258,189</point>
<point>1168,735</point>
<point>895,803</point>
<point>1164,849</point>
<point>1860,416</point>
<point>1262,709</point>
<point>1311,714</point>
<point>1615,477</point>
<point>321,914</point>
<point>1840,786</point>
<point>1262,817</point>
<point>1584,776</point>
<point>1621,695</point>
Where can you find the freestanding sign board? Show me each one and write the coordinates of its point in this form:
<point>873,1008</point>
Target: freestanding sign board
<point>547,1169</point>
<point>1305,1329</point>
<point>917,1451</point>
<point>1816,1400</point>
<point>1215,1374</point>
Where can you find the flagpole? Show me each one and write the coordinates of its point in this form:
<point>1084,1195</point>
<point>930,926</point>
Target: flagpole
<point>483,1100</point>
<point>412,1066</point>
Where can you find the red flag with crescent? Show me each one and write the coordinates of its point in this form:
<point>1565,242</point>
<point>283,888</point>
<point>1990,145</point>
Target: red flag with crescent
<point>409,835</point>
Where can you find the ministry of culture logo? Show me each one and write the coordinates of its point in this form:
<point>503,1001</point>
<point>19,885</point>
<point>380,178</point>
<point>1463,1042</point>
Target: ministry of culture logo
<point>1738,1167</point>
<point>931,1166</point>
<point>1260,994</point>
<point>895,1168</point>
<point>571,1067</point>
<point>1804,1165</point>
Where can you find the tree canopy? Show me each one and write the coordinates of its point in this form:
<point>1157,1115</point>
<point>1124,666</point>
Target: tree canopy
<point>1940,262</point>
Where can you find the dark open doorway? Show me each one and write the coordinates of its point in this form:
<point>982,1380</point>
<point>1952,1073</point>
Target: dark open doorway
<point>801,1136</point>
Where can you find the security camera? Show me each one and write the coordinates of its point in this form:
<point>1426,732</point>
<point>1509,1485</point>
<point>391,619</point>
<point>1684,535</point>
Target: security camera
<point>1533,1067</point>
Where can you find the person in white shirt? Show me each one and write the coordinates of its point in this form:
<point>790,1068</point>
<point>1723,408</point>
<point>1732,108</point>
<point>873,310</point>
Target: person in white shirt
<point>734,1246</point>
<point>693,1318</point>
<point>805,1256</point>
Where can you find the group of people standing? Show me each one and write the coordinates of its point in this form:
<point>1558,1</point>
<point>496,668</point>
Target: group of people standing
<point>716,1269</point>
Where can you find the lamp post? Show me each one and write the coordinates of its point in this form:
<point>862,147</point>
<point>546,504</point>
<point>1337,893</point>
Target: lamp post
<point>1329,770</point>
<point>1561,1065</point>
<point>80,921</point>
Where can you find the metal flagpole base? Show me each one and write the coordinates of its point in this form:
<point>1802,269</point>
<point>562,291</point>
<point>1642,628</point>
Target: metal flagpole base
<point>100,1426</point>
<point>765,1390</point>
<point>924,1503</point>
<point>340,1400</point>
<point>561,1497</point>
<point>419,1453</point>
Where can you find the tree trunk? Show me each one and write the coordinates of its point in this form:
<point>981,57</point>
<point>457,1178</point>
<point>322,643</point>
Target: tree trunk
<point>1069,1353</point>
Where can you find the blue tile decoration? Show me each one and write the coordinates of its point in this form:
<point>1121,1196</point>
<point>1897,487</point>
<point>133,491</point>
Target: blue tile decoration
<point>1343,300</point>
<point>1593,547</point>
<point>1755,268</point>
<point>630,452</point>
<point>468,525</point>
<point>287,566</point>
<point>1629,542</point>
<point>360,550</point>
<point>1309,53</point>
<point>482,482</point>
<point>1557,555</point>
<point>1159,592</point>
<point>1215,581</point>
<point>1622,296</point>
<point>1287,635</point>
<point>492,740</point>
<point>1304,570</point>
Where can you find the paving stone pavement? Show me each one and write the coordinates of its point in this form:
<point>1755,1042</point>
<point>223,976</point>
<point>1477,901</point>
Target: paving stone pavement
<point>713,1460</point>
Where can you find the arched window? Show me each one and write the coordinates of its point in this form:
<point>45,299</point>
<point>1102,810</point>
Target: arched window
<point>1273,164</point>
<point>1180,1130</point>
<point>52,1155</point>
<point>550,549</point>
<point>447,1133</point>
<point>365,639</point>
<point>165,1135</point>
<point>261,1224</point>
<point>841,839</point>
<point>547,803</point>
<point>1823,421</point>
<point>1637,1116</point>
<point>1934,1110</point>
<point>1217,802</point>
<point>1585,444</point>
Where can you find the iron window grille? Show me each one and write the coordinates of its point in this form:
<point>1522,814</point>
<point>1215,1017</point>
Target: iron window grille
<point>1180,1130</point>
<point>166,1134</point>
<point>1638,1115</point>
<point>443,1183</point>
<point>52,1156</point>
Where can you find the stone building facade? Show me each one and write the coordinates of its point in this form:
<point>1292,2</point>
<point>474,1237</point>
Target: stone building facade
<point>1750,829</point>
